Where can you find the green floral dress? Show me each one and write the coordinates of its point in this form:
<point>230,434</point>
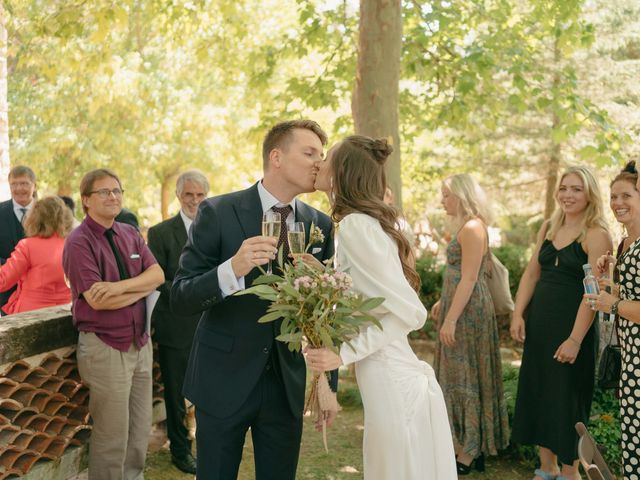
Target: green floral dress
<point>470,372</point>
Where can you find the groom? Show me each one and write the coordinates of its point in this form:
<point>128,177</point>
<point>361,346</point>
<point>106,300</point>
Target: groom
<point>239,376</point>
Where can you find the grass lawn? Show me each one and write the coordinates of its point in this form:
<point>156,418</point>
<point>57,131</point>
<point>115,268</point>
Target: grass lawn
<point>344,461</point>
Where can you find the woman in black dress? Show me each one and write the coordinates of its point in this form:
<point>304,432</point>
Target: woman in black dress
<point>557,373</point>
<point>625,203</point>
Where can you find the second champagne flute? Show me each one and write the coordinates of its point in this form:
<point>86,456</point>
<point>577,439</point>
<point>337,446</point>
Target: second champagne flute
<point>271,228</point>
<point>295,235</point>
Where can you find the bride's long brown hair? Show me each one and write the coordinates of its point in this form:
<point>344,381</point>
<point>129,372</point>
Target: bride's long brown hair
<point>359,183</point>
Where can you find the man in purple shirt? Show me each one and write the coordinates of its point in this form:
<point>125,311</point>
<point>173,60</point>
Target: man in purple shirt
<point>111,271</point>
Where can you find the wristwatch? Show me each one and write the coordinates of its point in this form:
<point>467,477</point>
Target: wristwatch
<point>614,307</point>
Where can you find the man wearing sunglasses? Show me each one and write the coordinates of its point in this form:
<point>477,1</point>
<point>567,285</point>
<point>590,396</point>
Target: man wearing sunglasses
<point>111,271</point>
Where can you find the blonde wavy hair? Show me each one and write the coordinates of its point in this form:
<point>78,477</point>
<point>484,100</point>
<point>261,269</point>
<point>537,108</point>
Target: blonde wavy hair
<point>48,216</point>
<point>472,200</point>
<point>594,213</point>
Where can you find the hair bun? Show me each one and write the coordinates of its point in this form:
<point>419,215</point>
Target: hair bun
<point>381,149</point>
<point>630,167</point>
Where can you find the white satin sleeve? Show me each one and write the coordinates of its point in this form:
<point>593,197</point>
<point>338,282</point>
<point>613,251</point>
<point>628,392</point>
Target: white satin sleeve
<point>370,256</point>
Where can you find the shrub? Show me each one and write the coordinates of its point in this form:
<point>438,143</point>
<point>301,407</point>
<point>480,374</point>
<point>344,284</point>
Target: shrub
<point>431,275</point>
<point>604,424</point>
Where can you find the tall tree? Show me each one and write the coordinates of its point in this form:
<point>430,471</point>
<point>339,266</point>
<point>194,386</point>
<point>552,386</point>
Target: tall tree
<point>375,95</point>
<point>4,108</point>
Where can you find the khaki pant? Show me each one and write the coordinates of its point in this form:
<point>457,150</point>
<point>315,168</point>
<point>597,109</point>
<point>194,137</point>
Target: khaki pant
<point>120,405</point>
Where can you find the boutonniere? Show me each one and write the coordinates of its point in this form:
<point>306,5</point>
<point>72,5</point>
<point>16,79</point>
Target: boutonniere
<point>315,236</point>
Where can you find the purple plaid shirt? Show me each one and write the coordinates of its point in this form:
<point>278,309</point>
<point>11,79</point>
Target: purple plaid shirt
<point>88,259</point>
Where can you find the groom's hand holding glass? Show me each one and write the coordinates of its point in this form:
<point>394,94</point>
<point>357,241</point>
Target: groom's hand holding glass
<point>254,251</point>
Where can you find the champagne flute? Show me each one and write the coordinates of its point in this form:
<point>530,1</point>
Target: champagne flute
<point>295,236</point>
<point>271,228</point>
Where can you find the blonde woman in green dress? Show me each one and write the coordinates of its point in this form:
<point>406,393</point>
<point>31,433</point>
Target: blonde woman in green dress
<point>467,361</point>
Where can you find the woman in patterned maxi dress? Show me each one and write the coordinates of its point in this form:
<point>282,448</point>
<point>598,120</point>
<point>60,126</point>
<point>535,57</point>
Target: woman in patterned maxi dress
<point>467,359</point>
<point>625,203</point>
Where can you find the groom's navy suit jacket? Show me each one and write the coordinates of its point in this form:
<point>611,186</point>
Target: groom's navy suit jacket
<point>230,348</point>
<point>11,233</point>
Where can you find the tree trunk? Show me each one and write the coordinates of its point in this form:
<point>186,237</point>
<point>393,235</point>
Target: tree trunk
<point>375,98</point>
<point>553,167</point>
<point>4,109</point>
<point>167,189</point>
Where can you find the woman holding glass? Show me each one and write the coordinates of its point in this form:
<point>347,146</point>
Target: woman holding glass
<point>36,263</point>
<point>625,203</point>
<point>467,360</point>
<point>557,374</point>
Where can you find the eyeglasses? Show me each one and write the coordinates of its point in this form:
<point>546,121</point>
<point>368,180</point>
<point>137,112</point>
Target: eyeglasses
<point>105,192</point>
<point>20,184</point>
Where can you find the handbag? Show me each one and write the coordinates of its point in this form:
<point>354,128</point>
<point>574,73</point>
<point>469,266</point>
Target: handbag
<point>610,363</point>
<point>498,283</point>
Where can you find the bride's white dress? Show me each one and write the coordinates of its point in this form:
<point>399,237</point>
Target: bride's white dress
<point>406,427</point>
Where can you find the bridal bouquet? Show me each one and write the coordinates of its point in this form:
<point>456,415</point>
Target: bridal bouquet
<point>318,307</point>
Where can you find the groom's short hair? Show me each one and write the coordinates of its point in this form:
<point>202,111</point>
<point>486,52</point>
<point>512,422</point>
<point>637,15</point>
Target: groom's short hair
<point>280,135</point>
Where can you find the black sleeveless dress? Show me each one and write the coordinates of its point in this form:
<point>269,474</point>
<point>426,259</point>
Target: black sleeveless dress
<point>553,396</point>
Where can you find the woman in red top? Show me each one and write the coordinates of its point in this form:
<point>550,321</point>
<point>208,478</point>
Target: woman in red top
<point>36,263</point>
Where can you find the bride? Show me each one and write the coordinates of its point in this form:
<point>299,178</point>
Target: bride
<point>406,432</point>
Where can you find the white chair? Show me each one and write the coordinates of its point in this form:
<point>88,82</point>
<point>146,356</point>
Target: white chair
<point>590,457</point>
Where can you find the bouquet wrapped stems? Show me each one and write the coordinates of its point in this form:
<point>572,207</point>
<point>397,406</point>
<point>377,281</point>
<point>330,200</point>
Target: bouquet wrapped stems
<point>321,398</point>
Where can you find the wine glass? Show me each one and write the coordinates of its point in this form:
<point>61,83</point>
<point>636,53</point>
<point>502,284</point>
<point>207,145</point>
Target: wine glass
<point>271,228</point>
<point>295,236</point>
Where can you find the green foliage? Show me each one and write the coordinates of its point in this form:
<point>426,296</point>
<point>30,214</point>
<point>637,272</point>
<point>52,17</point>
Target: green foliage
<point>604,424</point>
<point>431,276</point>
<point>314,302</point>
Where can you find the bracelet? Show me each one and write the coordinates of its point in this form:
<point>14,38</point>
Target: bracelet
<point>575,341</point>
<point>614,307</point>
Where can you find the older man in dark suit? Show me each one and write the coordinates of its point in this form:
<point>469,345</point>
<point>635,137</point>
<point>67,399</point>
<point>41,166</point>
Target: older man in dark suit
<point>22,182</point>
<point>174,331</point>
<point>239,376</point>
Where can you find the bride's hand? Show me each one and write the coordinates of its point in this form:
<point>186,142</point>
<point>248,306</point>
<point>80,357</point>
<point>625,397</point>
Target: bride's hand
<point>306,258</point>
<point>321,359</point>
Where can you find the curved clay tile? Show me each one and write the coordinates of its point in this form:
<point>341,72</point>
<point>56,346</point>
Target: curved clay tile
<point>6,386</point>
<point>23,392</point>
<point>57,446</point>
<point>66,367</point>
<point>9,455</point>
<point>23,439</point>
<point>80,433</point>
<point>7,434</point>
<point>38,422</point>
<point>68,387</point>
<point>51,363</point>
<point>25,460</point>
<point>39,442</point>
<point>10,473</point>
<point>37,376</point>
<point>81,395</point>
<point>81,413</point>
<point>54,403</point>
<point>73,374</point>
<point>17,371</point>
<point>55,425</point>
<point>70,428</point>
<point>39,399</point>
<point>65,409</point>
<point>52,383</point>
<point>24,415</point>
<point>9,408</point>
